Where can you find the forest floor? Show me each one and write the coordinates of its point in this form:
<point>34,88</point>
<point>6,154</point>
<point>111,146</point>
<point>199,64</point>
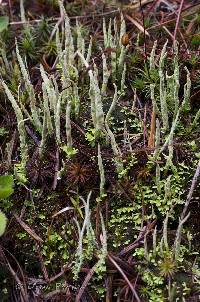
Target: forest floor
<point>99,146</point>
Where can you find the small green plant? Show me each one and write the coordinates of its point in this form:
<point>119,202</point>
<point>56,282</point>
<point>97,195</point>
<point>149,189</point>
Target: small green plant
<point>3,222</point>
<point>70,152</point>
<point>6,189</point>
<point>4,22</point>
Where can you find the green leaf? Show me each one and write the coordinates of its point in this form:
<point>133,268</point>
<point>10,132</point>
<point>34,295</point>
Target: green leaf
<point>4,21</point>
<point>75,204</point>
<point>197,155</point>
<point>69,150</point>
<point>196,40</point>
<point>3,221</point>
<point>3,131</point>
<point>6,186</point>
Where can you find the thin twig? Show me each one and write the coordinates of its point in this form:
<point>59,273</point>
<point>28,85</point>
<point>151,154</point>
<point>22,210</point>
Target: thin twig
<point>20,269</point>
<point>129,268</point>
<point>78,128</point>
<point>178,19</point>
<point>10,9</point>
<point>152,129</point>
<point>32,135</point>
<point>177,241</point>
<point>85,283</point>
<point>145,231</point>
<point>43,267</point>
<point>184,42</point>
<point>151,7</point>
<point>188,11</point>
<point>71,18</point>
<point>50,296</point>
<point>30,231</point>
<point>168,32</point>
<point>145,125</point>
<point>125,278</point>
<point>23,292</point>
<point>137,5</point>
<point>145,44</point>
<point>192,188</point>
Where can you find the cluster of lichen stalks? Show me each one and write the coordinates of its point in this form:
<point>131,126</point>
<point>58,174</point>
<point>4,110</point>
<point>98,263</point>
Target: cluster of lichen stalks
<point>46,110</point>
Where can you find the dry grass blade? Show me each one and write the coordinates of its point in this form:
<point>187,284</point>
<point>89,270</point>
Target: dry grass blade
<point>138,25</point>
<point>27,229</point>
<point>137,5</point>
<point>152,130</point>
<point>53,20</point>
<point>62,211</point>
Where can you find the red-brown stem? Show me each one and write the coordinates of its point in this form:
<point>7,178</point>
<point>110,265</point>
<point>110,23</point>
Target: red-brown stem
<point>10,9</point>
<point>145,45</point>
<point>125,278</point>
<point>178,19</point>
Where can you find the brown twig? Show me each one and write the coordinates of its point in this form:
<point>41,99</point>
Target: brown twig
<point>152,130</point>
<point>192,188</point>
<point>144,232</point>
<point>151,7</point>
<point>125,278</point>
<point>32,135</point>
<point>109,283</point>
<point>124,264</point>
<point>145,125</point>
<point>137,5</point>
<point>23,291</point>
<point>50,296</point>
<point>71,18</point>
<point>10,9</point>
<point>184,42</point>
<point>178,18</point>
<point>19,267</point>
<point>137,24</point>
<point>78,128</point>
<point>188,11</point>
<point>145,44</point>
<point>168,32</point>
<point>85,283</point>
<point>28,229</point>
<point>43,267</point>
<point>64,269</point>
